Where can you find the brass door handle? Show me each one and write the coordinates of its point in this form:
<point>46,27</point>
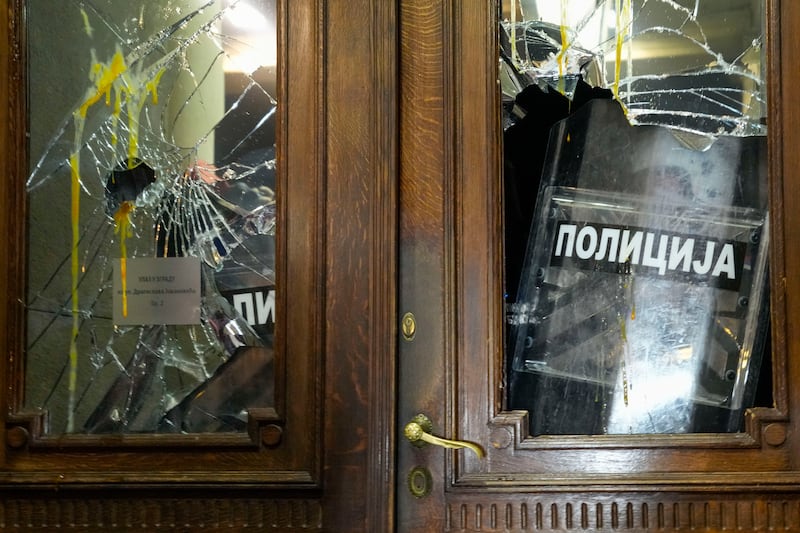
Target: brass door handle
<point>419,430</point>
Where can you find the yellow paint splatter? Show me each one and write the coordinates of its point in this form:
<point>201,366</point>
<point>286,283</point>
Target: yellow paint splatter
<point>135,93</point>
<point>104,77</point>
<point>115,113</point>
<point>151,86</point>
<point>129,89</point>
<point>565,44</point>
<point>123,228</point>
<point>133,139</point>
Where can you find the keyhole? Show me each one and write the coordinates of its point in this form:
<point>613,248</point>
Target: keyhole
<point>409,326</point>
<point>420,481</point>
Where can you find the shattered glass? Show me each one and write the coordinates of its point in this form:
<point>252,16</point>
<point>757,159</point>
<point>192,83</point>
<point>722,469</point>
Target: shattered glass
<point>691,65</point>
<point>636,222</point>
<point>152,135</point>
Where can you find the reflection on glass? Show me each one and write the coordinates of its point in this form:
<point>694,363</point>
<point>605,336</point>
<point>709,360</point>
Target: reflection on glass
<point>151,285</point>
<point>636,213</point>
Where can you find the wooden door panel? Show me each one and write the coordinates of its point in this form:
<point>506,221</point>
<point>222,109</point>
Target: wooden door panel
<point>36,455</point>
<point>553,482</point>
<point>327,463</point>
<point>422,372</point>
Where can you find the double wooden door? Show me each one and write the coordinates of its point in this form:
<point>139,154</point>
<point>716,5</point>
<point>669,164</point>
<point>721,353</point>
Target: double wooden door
<point>391,129</point>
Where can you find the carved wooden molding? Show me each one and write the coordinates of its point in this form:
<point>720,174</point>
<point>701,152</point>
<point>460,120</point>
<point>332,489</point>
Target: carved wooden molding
<point>664,512</point>
<point>763,426</point>
<point>99,514</point>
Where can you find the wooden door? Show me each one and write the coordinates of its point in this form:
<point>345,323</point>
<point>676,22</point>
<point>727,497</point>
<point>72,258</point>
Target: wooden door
<point>319,459</point>
<point>452,361</point>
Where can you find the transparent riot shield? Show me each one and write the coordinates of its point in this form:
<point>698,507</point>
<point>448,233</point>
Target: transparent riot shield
<point>641,306</point>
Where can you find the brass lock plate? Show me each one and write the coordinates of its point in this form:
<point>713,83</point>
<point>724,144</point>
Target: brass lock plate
<point>408,325</point>
<point>420,481</point>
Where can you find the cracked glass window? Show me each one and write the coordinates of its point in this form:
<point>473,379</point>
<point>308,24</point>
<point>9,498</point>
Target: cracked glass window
<point>636,220</point>
<point>151,219</point>
<point>691,65</point>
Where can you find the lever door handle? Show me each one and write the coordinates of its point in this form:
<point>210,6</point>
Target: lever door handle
<point>419,430</point>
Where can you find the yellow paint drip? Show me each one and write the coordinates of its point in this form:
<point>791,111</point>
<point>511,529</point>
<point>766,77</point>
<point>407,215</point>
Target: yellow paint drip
<point>562,55</point>
<point>123,228</point>
<point>624,12</point>
<point>74,162</point>
<point>133,139</point>
<point>128,88</point>
<point>152,86</point>
<point>115,113</point>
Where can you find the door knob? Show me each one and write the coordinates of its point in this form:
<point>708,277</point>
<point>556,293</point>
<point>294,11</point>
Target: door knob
<point>419,430</point>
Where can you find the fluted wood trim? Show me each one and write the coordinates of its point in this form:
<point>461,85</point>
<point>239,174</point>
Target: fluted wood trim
<point>100,514</point>
<point>663,512</point>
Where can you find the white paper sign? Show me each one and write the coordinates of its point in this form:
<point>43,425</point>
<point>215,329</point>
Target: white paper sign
<point>157,290</point>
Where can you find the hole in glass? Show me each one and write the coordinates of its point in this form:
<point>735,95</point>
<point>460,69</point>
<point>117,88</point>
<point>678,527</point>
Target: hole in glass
<point>151,283</point>
<point>636,224</point>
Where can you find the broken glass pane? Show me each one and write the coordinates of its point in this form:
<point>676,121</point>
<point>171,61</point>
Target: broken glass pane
<point>693,65</point>
<point>152,133</point>
<point>608,345</point>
